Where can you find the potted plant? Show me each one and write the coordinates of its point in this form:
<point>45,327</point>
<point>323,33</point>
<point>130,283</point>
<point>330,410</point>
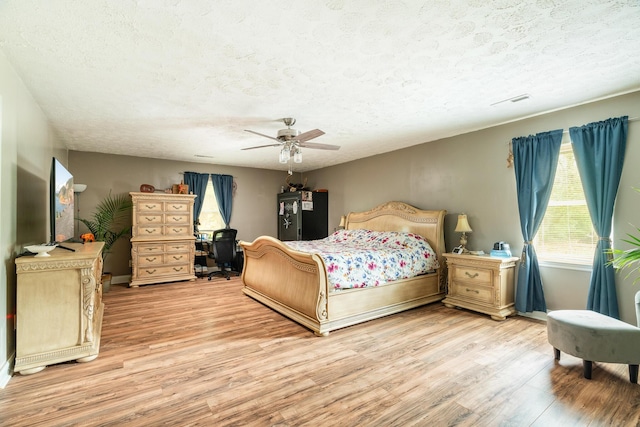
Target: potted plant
<point>629,259</point>
<point>109,223</point>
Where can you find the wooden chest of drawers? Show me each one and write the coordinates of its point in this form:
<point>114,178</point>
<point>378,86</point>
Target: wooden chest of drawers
<point>162,242</point>
<point>59,307</point>
<point>481,283</point>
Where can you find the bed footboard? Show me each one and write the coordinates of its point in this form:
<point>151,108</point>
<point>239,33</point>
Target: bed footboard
<point>291,282</point>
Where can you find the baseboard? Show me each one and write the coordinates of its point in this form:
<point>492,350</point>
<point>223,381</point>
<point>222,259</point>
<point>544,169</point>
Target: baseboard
<point>538,315</point>
<point>5,371</point>
<point>116,280</point>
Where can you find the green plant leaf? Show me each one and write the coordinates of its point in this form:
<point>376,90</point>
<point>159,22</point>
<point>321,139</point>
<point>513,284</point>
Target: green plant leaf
<point>110,221</point>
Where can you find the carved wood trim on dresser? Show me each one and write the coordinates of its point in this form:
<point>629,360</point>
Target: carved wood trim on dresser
<point>163,241</point>
<point>59,307</point>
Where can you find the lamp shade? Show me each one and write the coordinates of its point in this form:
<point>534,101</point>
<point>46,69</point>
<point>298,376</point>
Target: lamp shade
<point>79,188</point>
<point>463,225</point>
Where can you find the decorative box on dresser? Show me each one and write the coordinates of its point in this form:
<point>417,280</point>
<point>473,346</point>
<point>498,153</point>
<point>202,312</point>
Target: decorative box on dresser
<point>481,283</point>
<point>162,239</point>
<point>59,307</point>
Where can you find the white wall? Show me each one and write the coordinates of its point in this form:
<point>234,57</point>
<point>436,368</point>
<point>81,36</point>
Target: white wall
<point>27,145</point>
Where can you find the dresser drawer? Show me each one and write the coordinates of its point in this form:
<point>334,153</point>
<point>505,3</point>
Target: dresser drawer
<point>177,230</point>
<point>150,230</point>
<point>176,206</point>
<point>162,271</point>
<point>472,274</point>
<point>178,246</point>
<point>149,218</point>
<point>150,206</point>
<point>176,257</point>
<point>150,248</point>
<point>473,291</point>
<point>150,259</point>
<point>182,219</point>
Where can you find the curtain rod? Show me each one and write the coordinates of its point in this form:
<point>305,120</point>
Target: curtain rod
<point>632,119</point>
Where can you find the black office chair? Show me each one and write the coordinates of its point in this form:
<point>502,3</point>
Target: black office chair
<point>223,244</point>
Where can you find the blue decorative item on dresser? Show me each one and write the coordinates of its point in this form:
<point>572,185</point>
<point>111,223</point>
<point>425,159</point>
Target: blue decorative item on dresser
<point>501,250</point>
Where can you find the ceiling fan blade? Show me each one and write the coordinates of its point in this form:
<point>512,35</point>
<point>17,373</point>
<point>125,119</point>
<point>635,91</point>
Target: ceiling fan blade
<point>306,136</point>
<point>261,134</point>
<point>262,146</point>
<point>319,146</point>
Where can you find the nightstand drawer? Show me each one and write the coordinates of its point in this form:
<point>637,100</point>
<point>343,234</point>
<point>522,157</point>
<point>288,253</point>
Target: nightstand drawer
<point>471,291</point>
<point>473,274</point>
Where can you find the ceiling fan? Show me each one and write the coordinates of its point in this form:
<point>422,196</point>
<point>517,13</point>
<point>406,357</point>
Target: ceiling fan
<point>291,140</point>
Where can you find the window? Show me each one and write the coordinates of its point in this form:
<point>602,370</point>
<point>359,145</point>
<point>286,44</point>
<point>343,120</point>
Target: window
<point>566,233</point>
<point>210,218</point>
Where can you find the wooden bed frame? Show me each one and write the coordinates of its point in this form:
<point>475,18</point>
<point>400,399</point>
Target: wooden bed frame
<point>295,283</point>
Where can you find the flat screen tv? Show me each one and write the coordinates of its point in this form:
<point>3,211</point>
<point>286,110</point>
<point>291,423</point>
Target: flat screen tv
<point>61,203</point>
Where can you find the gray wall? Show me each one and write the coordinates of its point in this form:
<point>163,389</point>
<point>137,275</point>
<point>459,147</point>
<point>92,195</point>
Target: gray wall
<point>254,203</point>
<point>468,174</point>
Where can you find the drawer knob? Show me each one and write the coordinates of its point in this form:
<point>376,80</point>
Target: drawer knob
<point>473,290</point>
<point>471,276</point>
<point>150,218</point>
<point>150,206</point>
<point>176,207</point>
<point>150,271</point>
<point>176,230</point>
<point>151,259</point>
<point>177,258</point>
<point>177,268</point>
<point>176,219</point>
<point>152,230</point>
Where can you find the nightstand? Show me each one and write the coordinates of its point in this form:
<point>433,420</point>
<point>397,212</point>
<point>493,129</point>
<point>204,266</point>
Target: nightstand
<point>481,283</point>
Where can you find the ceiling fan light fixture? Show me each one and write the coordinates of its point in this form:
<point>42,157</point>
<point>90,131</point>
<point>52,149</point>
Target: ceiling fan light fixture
<point>297,155</point>
<point>284,155</point>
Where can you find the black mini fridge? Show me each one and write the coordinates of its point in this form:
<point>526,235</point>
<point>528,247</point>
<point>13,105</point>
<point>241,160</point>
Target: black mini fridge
<point>303,215</point>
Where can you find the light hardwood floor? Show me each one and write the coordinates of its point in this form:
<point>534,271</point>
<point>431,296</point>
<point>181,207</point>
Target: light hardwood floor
<point>204,354</point>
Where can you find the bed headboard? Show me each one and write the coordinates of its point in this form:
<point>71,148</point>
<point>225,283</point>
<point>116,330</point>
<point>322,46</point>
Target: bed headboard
<point>399,216</point>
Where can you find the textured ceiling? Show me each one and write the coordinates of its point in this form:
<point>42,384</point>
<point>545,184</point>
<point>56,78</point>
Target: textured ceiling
<point>174,79</point>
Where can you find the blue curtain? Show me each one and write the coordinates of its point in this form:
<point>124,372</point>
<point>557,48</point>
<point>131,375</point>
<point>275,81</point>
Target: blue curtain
<point>197,183</point>
<point>535,160</point>
<point>599,150</point>
<point>223,187</point>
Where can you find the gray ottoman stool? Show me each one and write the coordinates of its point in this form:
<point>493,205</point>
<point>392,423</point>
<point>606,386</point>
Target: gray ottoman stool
<point>594,337</point>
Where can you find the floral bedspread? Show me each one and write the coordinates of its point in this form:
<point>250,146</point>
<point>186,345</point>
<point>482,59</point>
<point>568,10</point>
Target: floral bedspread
<point>365,258</point>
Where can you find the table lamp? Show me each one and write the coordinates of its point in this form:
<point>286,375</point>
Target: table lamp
<point>464,228</point>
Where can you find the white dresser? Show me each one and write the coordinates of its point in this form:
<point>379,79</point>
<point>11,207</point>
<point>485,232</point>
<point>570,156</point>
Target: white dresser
<point>162,242</point>
<point>59,307</point>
